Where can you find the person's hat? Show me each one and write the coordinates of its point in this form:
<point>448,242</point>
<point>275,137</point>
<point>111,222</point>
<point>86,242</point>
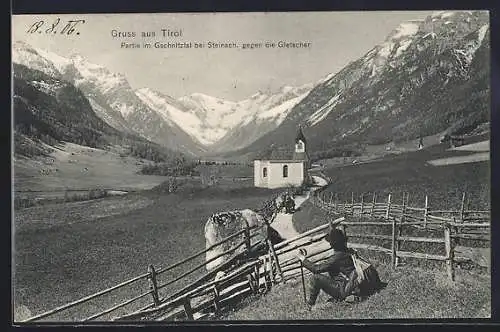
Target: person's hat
<point>336,238</point>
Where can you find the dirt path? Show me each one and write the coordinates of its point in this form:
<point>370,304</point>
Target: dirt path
<point>283,223</point>
<point>476,157</point>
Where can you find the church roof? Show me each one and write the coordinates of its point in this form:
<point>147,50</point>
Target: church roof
<point>300,136</point>
<point>285,153</point>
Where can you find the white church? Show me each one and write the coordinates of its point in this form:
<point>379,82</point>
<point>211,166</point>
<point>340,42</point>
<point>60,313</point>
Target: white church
<point>283,168</point>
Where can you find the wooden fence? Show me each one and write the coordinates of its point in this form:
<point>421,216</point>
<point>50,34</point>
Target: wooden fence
<point>243,274</point>
<point>194,289</point>
<point>454,225</point>
<point>182,296</point>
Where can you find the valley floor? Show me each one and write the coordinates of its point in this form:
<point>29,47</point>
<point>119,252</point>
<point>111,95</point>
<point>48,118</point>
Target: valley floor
<point>77,168</point>
<point>66,251</point>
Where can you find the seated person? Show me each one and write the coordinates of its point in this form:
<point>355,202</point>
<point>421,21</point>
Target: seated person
<point>336,276</point>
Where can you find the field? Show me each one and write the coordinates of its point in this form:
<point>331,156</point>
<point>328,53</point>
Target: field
<point>69,250</point>
<point>66,251</point>
<point>411,172</point>
<point>78,168</point>
<point>411,293</point>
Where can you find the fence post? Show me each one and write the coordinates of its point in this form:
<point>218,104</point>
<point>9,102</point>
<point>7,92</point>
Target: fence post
<point>336,201</point>
<point>455,229</point>
<point>352,203</point>
<point>271,270</point>
<point>426,210</point>
<point>449,252</point>
<point>272,253</point>
<point>393,244</point>
<point>462,207</point>
<point>400,227</point>
<point>265,274</point>
<point>331,199</point>
<point>257,279</point>
<point>187,308</point>
<point>153,286</point>
<point>247,238</point>
<point>361,209</point>
<point>373,203</point>
<point>388,207</point>
<point>216,299</point>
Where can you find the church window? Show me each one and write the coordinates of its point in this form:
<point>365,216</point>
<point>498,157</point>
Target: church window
<point>264,172</point>
<point>285,171</point>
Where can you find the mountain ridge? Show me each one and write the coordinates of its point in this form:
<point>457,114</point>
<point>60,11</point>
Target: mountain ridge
<point>387,95</point>
<point>196,122</point>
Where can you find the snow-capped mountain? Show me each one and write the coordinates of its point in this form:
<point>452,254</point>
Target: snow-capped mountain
<point>221,124</point>
<point>109,94</point>
<point>265,112</point>
<point>426,77</point>
<point>194,122</point>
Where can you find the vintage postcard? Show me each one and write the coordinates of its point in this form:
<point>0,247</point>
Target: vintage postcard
<point>251,166</point>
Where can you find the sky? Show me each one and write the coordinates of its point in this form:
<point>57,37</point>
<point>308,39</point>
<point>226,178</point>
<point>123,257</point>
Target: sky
<point>336,38</point>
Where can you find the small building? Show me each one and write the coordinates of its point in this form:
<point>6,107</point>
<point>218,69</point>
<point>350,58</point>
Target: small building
<point>283,168</point>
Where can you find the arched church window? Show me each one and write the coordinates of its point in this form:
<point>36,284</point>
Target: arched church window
<point>285,171</point>
<point>264,172</point>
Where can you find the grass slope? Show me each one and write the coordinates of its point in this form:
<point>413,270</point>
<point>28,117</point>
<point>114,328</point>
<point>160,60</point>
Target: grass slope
<point>72,166</point>
<point>411,172</point>
<point>71,250</point>
<point>410,293</point>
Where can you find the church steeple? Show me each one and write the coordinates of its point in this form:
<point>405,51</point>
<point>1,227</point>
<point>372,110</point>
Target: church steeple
<point>300,146</point>
<point>300,136</point>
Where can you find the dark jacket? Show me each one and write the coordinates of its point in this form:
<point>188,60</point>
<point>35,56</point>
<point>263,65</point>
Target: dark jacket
<point>340,261</point>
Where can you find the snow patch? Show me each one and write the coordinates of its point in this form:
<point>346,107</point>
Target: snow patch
<point>47,88</point>
<point>402,47</point>
<point>61,63</point>
<point>405,30</point>
<point>218,117</point>
<point>24,55</point>
<point>473,46</point>
<point>320,114</point>
<point>482,33</point>
<point>280,112</point>
<point>124,109</point>
<point>189,122</point>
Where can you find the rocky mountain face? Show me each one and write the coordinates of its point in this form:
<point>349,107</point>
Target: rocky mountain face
<point>221,124</point>
<point>265,112</point>
<point>110,96</point>
<point>196,123</point>
<point>48,110</point>
<point>427,76</point>
<point>52,110</point>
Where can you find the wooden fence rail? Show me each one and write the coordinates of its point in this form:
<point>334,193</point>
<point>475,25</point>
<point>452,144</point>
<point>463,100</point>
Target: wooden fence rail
<point>150,277</point>
<point>194,299</point>
<point>402,215</point>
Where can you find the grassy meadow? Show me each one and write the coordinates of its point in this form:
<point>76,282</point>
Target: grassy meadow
<point>69,250</point>
<point>411,293</point>
<point>412,173</point>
